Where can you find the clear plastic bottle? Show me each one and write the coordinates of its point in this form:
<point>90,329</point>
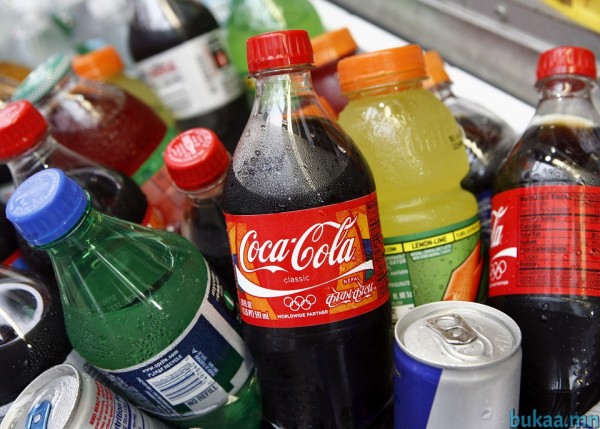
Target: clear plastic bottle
<point>142,306</point>
<point>329,49</point>
<point>252,17</point>
<point>488,138</point>
<point>305,239</point>
<point>179,50</point>
<point>32,332</point>
<point>27,146</point>
<point>414,147</point>
<point>544,259</point>
<point>105,65</point>
<point>97,119</point>
<point>197,162</point>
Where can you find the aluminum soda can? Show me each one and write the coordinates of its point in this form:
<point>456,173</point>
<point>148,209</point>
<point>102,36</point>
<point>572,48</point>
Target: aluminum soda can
<point>457,366</point>
<point>64,398</point>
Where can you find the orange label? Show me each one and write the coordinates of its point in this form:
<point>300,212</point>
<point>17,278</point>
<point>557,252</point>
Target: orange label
<point>546,240</point>
<point>309,267</point>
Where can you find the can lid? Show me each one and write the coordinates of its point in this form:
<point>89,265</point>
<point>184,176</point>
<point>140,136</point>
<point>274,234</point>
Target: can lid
<point>371,69</point>
<point>567,60</point>
<point>46,206</point>
<point>21,127</point>
<point>196,158</point>
<point>22,309</point>
<point>100,64</point>
<point>332,46</point>
<point>457,334</point>
<point>278,49</point>
<point>52,396</point>
<point>435,67</point>
<point>41,81</point>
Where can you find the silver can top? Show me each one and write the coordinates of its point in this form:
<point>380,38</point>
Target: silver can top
<point>47,402</point>
<point>457,334</point>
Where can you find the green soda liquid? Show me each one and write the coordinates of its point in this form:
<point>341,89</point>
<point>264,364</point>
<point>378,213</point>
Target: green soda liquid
<point>131,294</point>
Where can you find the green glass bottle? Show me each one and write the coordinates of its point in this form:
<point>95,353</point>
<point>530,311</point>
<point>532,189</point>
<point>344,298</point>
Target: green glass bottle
<point>142,306</point>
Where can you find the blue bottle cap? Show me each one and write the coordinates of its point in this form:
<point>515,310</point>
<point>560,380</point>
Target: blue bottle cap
<point>46,206</point>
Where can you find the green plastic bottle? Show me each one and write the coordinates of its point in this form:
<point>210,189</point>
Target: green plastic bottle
<point>142,306</point>
<point>252,17</point>
<point>415,149</point>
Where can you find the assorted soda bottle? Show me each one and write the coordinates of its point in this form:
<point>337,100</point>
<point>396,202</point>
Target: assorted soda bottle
<point>248,222</point>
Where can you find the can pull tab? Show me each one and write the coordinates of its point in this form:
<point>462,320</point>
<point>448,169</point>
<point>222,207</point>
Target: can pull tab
<point>452,328</point>
<point>38,416</point>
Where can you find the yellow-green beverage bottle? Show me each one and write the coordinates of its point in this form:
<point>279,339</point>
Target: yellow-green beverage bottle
<point>415,149</point>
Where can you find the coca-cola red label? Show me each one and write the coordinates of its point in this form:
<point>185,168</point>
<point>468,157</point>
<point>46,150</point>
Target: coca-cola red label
<point>309,267</point>
<point>546,240</point>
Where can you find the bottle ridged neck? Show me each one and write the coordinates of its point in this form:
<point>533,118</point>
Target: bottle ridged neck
<point>386,88</point>
<point>567,95</point>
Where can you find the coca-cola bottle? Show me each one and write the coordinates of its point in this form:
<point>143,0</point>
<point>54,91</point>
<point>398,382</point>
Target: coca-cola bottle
<point>197,162</point>
<point>307,248</point>
<point>545,243</point>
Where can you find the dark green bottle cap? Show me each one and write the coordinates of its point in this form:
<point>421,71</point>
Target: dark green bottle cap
<point>42,80</point>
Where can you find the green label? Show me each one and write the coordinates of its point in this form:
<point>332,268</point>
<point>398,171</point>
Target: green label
<point>155,160</point>
<point>442,264</point>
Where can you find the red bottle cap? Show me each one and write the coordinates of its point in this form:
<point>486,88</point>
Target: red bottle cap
<point>278,49</point>
<point>21,127</point>
<point>567,60</point>
<point>196,158</point>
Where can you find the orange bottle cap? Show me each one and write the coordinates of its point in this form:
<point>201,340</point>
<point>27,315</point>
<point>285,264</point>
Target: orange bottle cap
<point>435,67</point>
<point>15,71</point>
<point>381,67</point>
<point>332,46</point>
<point>99,64</point>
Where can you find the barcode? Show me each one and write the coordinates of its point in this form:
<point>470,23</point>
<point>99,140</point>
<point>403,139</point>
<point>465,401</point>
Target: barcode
<point>184,381</point>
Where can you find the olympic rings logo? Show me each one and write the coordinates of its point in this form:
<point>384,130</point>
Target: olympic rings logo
<point>300,302</point>
<point>497,270</point>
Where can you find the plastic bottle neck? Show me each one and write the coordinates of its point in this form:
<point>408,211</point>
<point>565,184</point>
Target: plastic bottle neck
<point>287,91</point>
<point>384,89</point>
<point>443,91</point>
<point>567,95</point>
<point>293,78</point>
<point>47,152</point>
<point>207,196</point>
<point>77,240</point>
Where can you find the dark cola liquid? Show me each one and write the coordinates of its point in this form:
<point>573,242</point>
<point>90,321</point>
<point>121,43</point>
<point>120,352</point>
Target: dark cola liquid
<point>149,36</point>
<point>561,333</point>
<point>205,227</point>
<point>309,376</point>
<point>44,343</point>
<point>111,193</point>
<point>8,238</point>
